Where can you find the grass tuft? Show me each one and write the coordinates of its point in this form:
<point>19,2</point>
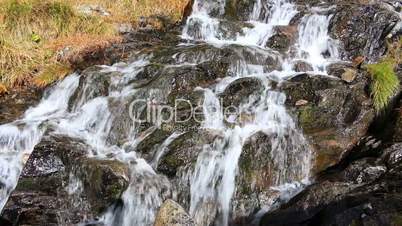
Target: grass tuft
<point>51,73</point>
<point>385,83</point>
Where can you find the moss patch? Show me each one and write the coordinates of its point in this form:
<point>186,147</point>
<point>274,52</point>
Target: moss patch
<point>385,83</point>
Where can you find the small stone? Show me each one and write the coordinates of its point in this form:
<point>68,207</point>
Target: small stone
<point>301,102</point>
<point>92,9</point>
<point>125,28</point>
<point>302,66</point>
<point>395,157</point>
<point>349,75</point>
<point>172,214</point>
<point>358,61</point>
<point>3,89</point>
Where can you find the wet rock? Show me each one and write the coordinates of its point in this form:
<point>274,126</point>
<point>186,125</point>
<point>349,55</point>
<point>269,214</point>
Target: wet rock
<point>172,214</point>
<point>103,181</point>
<point>183,151</point>
<point>227,55</point>
<point>398,128</point>
<point>364,171</point>
<point>358,61</point>
<point>338,69</point>
<point>257,171</point>
<point>241,90</point>
<point>238,9</point>
<point>336,200</point>
<point>285,36</point>
<point>14,104</point>
<point>179,162</point>
<point>362,29</point>
<point>302,66</point>
<point>151,142</point>
<point>227,29</point>
<point>45,195</point>
<point>230,30</point>
<point>393,155</point>
<point>94,82</point>
<point>336,117</point>
<point>39,197</point>
<point>187,11</point>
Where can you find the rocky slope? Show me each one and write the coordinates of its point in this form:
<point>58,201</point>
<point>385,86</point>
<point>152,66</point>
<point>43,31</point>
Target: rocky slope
<point>88,165</point>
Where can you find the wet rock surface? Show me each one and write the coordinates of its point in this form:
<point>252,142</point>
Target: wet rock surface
<point>284,38</point>
<point>14,104</point>
<point>364,191</point>
<point>59,185</point>
<point>336,115</point>
<point>362,29</point>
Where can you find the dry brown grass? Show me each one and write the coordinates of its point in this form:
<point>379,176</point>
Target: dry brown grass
<point>131,10</point>
<point>33,33</point>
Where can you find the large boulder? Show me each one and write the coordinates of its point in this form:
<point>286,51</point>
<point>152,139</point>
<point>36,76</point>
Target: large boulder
<point>338,199</point>
<point>283,39</point>
<point>239,9</point>
<point>334,114</point>
<point>61,185</point>
<point>14,104</point>
<point>362,29</point>
<point>239,91</point>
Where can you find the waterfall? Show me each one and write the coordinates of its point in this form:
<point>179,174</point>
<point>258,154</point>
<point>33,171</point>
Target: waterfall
<point>212,178</point>
<point>314,42</point>
<point>213,181</point>
<point>18,139</point>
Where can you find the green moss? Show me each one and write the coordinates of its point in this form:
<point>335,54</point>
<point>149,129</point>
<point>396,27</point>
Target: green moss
<point>27,184</point>
<point>385,83</point>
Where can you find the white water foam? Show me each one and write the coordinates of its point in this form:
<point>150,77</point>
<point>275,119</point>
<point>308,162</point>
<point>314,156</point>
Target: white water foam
<point>213,180</point>
<point>315,46</point>
<point>18,139</point>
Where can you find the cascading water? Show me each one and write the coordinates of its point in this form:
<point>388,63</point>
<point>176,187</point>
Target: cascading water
<point>314,42</point>
<point>18,139</point>
<point>212,180</point>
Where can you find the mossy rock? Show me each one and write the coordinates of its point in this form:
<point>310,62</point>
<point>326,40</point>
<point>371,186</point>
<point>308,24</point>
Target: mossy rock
<point>104,181</point>
<point>184,150</point>
<point>152,141</point>
<point>238,9</point>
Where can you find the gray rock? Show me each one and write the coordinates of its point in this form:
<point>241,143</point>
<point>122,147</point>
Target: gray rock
<point>362,29</point>
<point>90,10</point>
<point>43,196</point>
<point>172,214</point>
<point>336,117</point>
<point>125,28</point>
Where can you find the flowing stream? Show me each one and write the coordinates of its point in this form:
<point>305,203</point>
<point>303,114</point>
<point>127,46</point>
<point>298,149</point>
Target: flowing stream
<point>212,180</point>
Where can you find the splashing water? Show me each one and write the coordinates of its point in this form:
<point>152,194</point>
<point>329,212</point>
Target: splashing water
<point>212,179</point>
<point>315,45</point>
<point>146,192</point>
<point>164,148</point>
<point>18,139</point>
